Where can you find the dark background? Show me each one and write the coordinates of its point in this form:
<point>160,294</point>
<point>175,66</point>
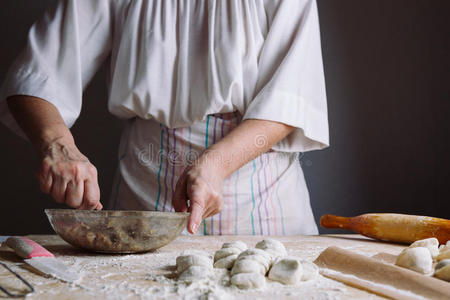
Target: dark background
<point>386,67</point>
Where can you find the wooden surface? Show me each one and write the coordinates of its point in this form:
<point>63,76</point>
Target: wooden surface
<point>130,276</point>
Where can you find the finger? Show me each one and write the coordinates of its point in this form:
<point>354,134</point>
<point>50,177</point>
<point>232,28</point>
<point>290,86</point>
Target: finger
<point>210,211</point>
<point>99,206</point>
<point>45,182</point>
<point>58,189</point>
<point>179,199</point>
<point>91,196</point>
<point>74,193</point>
<point>196,216</point>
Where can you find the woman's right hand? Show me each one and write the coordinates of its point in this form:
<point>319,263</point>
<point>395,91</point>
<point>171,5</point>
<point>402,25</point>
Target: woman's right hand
<point>68,176</point>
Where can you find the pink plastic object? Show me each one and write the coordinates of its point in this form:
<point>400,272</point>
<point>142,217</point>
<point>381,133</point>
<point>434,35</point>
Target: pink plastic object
<point>27,248</point>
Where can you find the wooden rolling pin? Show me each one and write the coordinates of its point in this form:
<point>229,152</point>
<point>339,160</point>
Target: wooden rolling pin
<point>392,227</point>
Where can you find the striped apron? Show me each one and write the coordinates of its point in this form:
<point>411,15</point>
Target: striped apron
<point>267,196</point>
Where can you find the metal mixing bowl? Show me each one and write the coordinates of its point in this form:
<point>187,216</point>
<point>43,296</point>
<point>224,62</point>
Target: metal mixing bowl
<point>117,231</point>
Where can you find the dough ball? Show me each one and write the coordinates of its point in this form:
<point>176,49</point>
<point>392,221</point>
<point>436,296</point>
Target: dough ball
<point>254,251</point>
<point>226,262</point>
<point>417,259</point>
<point>224,252</point>
<point>274,247</point>
<point>263,260</point>
<point>442,263</point>
<point>248,280</point>
<point>237,244</point>
<point>286,271</point>
<point>186,261</point>
<point>194,273</point>
<point>442,270</point>
<point>444,254</point>
<point>310,270</point>
<point>432,244</point>
<point>248,266</point>
<point>195,252</point>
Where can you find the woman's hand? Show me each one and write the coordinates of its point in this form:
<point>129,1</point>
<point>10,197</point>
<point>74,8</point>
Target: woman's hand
<point>65,173</point>
<point>201,184</point>
<point>68,176</point>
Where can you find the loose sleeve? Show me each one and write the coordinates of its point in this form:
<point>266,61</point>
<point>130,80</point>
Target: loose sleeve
<point>64,49</point>
<point>291,85</point>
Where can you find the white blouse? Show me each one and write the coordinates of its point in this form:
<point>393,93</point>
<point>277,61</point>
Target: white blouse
<point>176,61</point>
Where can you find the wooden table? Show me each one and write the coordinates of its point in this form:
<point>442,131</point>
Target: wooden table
<point>133,276</point>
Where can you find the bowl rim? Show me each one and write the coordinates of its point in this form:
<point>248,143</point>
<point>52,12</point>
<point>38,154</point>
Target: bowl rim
<point>114,213</point>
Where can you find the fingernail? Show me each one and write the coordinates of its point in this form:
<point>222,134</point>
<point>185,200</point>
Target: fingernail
<point>194,227</point>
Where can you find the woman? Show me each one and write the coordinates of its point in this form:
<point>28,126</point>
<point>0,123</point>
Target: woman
<point>242,79</point>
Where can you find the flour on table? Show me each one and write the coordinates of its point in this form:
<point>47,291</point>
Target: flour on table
<point>154,276</point>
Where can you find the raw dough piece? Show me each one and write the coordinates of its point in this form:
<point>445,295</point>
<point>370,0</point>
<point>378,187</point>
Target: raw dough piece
<point>310,270</point>
<point>417,259</point>
<point>221,253</point>
<point>258,255</point>
<point>444,254</point>
<point>225,257</point>
<point>273,247</point>
<point>248,280</point>
<point>194,273</point>
<point>432,244</point>
<point>226,262</point>
<point>237,244</point>
<point>442,270</point>
<point>248,266</point>
<point>286,271</point>
<point>186,261</point>
<point>442,263</point>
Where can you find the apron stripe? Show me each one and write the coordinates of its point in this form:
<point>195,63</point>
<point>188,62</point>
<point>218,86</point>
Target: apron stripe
<point>206,146</point>
<point>173,162</point>
<point>181,162</point>
<point>269,163</point>
<point>260,199</point>
<point>160,167</point>
<point>236,205</point>
<point>214,141</point>
<point>220,213</point>
<point>253,197</point>
<point>166,168</point>
<point>266,191</point>
<point>278,198</point>
<point>236,202</point>
<point>229,122</point>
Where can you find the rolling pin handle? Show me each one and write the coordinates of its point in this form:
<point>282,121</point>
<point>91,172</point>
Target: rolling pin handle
<point>332,221</point>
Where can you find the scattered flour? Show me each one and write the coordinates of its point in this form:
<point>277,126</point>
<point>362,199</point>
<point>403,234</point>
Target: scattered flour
<point>153,276</point>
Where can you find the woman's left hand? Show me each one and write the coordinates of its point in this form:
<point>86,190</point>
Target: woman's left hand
<point>201,184</point>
